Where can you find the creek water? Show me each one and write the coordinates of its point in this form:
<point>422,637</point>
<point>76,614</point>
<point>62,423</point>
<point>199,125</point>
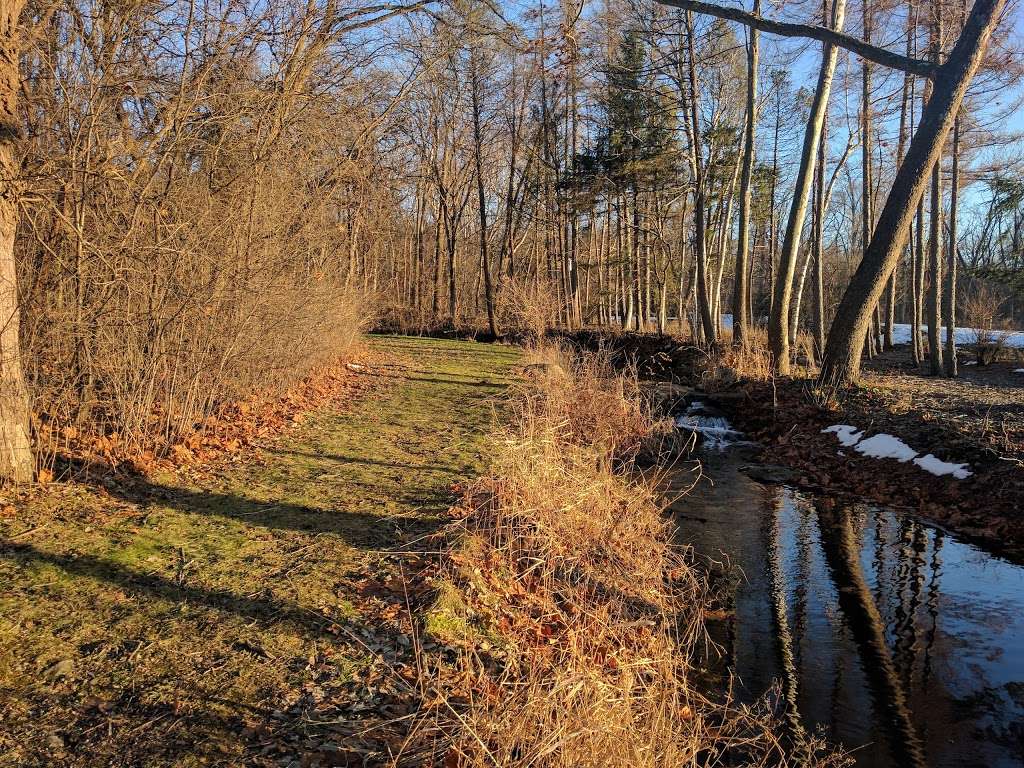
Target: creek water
<point>898,640</point>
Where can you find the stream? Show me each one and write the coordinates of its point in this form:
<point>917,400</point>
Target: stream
<point>898,640</point>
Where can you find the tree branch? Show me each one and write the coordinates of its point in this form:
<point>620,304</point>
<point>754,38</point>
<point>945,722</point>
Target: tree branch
<point>824,34</point>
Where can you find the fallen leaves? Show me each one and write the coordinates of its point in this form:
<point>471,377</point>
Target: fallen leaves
<point>226,431</point>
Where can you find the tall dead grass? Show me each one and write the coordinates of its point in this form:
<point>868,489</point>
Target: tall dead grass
<point>751,362</point>
<point>577,621</point>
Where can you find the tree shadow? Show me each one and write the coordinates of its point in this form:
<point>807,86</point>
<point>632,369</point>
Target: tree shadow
<point>359,529</point>
<point>451,381</point>
<point>356,460</point>
<point>115,724</point>
<point>264,610</point>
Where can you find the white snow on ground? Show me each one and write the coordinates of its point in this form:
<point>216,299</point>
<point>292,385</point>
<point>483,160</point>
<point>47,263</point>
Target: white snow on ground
<point>847,435</point>
<point>883,446</point>
<point>901,335</point>
<point>939,468</point>
<point>886,447</point>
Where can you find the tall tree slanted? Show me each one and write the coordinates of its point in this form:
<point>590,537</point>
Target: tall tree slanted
<point>841,364</point>
<point>843,349</point>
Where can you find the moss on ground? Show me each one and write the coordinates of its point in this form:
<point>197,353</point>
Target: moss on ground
<point>159,626</point>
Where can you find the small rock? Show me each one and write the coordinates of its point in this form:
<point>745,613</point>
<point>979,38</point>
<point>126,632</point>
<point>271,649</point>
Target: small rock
<point>769,474</point>
<point>63,668</point>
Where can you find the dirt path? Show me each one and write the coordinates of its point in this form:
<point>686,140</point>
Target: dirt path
<point>185,624</point>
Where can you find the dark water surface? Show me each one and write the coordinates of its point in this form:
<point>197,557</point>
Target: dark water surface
<point>897,639</point>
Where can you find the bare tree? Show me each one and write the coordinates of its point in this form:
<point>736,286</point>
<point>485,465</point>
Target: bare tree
<point>741,286</point>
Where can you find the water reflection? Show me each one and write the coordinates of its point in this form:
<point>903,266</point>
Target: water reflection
<point>901,641</point>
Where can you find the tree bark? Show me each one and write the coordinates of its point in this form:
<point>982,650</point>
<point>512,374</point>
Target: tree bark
<point>954,205</point>
<point>699,213</point>
<point>818,253</point>
<point>481,199</point>
<point>16,463</point>
<point>741,285</point>
<point>935,231</point>
<point>867,175</point>
<point>841,365</point>
<point>829,36</point>
<point>778,322</point>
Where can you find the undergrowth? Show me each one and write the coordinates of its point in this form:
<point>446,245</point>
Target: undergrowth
<point>579,623</point>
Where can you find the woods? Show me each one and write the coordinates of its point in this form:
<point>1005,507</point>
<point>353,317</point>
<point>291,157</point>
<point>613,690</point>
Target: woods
<point>199,219</point>
<point>555,384</point>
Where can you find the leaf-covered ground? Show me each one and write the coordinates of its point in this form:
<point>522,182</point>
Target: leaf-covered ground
<point>199,622</point>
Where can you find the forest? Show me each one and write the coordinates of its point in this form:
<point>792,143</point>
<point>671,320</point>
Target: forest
<point>460,383</point>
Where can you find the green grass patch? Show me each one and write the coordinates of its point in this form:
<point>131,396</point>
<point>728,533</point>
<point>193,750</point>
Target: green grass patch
<point>189,614</point>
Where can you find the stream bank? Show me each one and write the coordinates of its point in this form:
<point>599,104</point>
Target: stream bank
<point>977,420</point>
<point>902,642</point>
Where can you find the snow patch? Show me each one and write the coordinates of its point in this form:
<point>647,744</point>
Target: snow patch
<point>883,446</point>
<point>939,468</point>
<point>846,434</point>
<point>1015,339</point>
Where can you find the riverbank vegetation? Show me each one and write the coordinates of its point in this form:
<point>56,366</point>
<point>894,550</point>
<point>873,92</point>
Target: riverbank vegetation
<point>579,623</point>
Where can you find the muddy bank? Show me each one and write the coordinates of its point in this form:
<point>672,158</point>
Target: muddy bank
<point>984,506</point>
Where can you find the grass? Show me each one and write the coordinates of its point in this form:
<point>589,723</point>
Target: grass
<point>563,554</point>
<point>166,623</point>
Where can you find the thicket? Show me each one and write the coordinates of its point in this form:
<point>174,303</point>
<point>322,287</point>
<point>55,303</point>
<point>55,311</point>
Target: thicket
<point>193,207</point>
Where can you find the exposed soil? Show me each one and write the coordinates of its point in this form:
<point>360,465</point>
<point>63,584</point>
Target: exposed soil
<point>977,419</point>
<point>254,614</point>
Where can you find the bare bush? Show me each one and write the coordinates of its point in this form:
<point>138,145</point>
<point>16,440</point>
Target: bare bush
<point>193,224</point>
<point>526,308</point>
<point>981,309</point>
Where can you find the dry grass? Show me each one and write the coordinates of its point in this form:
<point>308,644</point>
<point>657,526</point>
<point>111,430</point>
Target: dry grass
<point>752,362</point>
<point>577,621</point>
<point>526,308</point>
<point>579,400</point>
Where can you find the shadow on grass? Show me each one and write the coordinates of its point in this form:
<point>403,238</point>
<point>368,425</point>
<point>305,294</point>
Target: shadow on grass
<point>448,382</point>
<point>266,610</point>
<point>423,502</point>
<point>356,460</point>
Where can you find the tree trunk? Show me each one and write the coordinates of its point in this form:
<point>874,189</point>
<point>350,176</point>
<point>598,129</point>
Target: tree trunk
<point>841,365</point>
<point>699,212</point>
<point>481,200</point>
<point>16,462</point>
<point>741,285</point>
<point>867,175</point>
<point>818,252</point>
<point>778,322</point>
<point>935,231</point>
<point>954,204</point>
